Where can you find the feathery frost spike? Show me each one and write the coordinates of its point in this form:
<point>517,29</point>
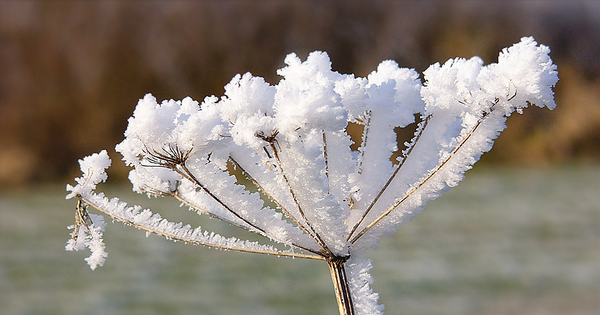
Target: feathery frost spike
<point>276,160</point>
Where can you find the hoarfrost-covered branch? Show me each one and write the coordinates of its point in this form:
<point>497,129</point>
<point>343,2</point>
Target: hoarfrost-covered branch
<point>142,219</point>
<point>152,223</point>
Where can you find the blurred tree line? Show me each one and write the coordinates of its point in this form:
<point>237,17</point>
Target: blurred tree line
<point>71,72</point>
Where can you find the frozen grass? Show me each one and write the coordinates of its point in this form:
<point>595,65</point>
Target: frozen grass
<point>505,241</point>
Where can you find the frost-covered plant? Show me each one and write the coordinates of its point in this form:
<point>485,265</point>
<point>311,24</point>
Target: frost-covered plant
<point>291,141</point>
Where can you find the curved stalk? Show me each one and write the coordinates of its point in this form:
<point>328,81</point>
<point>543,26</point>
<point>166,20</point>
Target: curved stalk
<point>175,194</point>
<point>195,242</point>
<point>189,204</point>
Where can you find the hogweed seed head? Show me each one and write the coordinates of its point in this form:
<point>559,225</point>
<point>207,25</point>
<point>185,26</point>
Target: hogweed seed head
<point>328,201</point>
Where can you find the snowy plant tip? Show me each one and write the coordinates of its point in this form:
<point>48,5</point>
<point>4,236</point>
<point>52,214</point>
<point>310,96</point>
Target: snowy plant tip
<point>88,228</point>
<point>89,235</point>
<point>93,168</point>
<point>523,75</point>
<point>291,141</point>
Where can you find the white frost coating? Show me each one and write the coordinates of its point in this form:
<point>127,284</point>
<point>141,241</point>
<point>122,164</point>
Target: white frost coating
<point>358,270</point>
<point>248,107</point>
<point>290,141</point>
<point>145,219</point>
<point>468,104</point>
<point>393,100</point>
<point>84,235</point>
<point>306,99</point>
<point>530,68</point>
<point>94,172</point>
<point>90,238</point>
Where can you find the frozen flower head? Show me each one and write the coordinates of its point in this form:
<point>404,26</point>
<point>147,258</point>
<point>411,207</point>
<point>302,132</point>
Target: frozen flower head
<point>290,142</point>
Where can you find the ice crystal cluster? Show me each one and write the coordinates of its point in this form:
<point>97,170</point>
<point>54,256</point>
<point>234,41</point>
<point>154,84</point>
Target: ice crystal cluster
<point>291,141</point>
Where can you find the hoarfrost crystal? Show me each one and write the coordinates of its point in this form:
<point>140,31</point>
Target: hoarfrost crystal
<point>291,142</point>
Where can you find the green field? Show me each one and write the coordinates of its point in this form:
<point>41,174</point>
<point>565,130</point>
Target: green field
<point>506,241</point>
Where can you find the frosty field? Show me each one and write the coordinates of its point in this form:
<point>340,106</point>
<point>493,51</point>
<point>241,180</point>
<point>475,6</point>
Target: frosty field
<point>505,241</point>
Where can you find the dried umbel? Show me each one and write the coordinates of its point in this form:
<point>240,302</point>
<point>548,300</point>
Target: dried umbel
<point>290,140</point>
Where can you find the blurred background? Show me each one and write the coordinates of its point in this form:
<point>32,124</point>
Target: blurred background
<point>521,235</point>
<point>72,71</point>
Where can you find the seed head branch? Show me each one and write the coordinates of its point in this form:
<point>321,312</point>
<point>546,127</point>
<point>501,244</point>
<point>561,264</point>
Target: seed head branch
<point>195,242</point>
<point>365,136</point>
<point>257,185</point>
<point>174,158</point>
<point>272,144</point>
<point>429,175</point>
<point>176,195</point>
<point>191,205</point>
<point>325,154</point>
<point>387,184</point>
<point>184,171</point>
<point>168,157</point>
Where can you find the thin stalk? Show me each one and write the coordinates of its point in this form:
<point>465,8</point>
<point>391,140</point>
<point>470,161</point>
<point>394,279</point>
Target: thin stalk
<point>175,194</point>
<point>387,184</point>
<point>184,171</point>
<point>212,215</point>
<point>195,242</point>
<point>313,233</point>
<point>341,286</point>
<point>284,210</point>
<point>425,179</point>
<point>325,154</point>
<point>189,204</point>
<point>365,135</point>
<point>175,159</point>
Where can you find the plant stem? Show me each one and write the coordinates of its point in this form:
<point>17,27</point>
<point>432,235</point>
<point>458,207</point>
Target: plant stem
<point>186,240</point>
<point>340,284</point>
